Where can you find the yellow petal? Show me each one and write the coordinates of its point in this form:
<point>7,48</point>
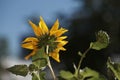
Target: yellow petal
<point>31,54</point>
<point>28,45</point>
<point>62,43</point>
<point>35,28</point>
<point>43,25</point>
<point>62,48</point>
<point>59,32</point>
<point>61,38</point>
<point>55,56</point>
<point>30,39</point>
<point>55,26</point>
<point>41,32</point>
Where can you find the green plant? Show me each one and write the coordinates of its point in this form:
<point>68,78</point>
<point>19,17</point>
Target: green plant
<point>48,44</point>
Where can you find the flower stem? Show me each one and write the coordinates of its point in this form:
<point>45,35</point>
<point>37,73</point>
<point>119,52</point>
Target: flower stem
<point>51,69</point>
<point>81,59</point>
<point>49,64</point>
<point>36,75</point>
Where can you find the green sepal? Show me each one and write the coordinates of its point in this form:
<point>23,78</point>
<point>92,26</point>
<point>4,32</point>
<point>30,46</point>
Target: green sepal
<point>102,41</point>
<point>89,74</point>
<point>21,70</point>
<point>40,58</point>
<point>114,67</point>
<point>66,75</point>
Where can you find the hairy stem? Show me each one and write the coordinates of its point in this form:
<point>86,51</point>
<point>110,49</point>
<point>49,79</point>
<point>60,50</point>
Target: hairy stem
<point>49,64</point>
<point>81,59</point>
<point>36,74</point>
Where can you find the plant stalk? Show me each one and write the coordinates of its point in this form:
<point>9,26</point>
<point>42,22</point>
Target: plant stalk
<point>49,64</point>
<point>81,59</point>
<point>37,75</point>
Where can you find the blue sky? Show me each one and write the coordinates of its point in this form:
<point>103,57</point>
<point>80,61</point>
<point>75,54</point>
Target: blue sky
<point>14,15</point>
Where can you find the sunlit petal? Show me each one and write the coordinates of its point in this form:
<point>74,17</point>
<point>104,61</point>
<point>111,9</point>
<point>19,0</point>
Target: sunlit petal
<point>62,48</point>
<point>55,56</point>
<point>30,39</point>
<point>35,28</point>
<point>28,45</point>
<point>59,32</point>
<point>62,43</point>
<point>43,25</point>
<point>61,38</point>
<point>54,27</point>
<point>41,32</point>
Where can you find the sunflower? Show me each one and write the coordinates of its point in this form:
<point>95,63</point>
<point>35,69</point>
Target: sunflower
<point>45,37</point>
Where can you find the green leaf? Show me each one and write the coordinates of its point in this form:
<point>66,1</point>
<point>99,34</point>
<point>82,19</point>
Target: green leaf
<point>89,74</point>
<point>21,70</point>
<point>38,75</point>
<point>42,75</point>
<point>40,58</point>
<point>102,41</point>
<point>35,76</point>
<point>32,67</point>
<point>66,75</point>
<point>114,67</point>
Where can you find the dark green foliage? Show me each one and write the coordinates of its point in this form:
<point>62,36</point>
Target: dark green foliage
<point>102,41</point>
<point>21,70</point>
<point>40,58</point>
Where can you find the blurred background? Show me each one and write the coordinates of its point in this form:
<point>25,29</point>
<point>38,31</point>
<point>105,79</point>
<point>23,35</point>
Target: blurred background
<point>83,18</point>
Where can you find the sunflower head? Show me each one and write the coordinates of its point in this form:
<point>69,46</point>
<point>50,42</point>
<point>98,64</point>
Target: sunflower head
<point>45,37</point>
